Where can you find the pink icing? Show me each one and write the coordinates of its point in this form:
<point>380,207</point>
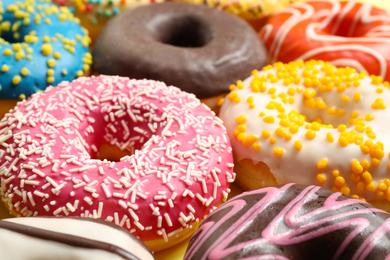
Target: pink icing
<point>179,169</point>
<point>293,224</point>
<point>345,33</point>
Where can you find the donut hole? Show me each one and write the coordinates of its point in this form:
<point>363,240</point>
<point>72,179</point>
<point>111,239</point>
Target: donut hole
<point>10,37</point>
<point>184,31</point>
<point>346,27</point>
<point>111,153</point>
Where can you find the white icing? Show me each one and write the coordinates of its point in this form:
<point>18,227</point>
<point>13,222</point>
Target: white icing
<point>14,245</point>
<point>300,166</point>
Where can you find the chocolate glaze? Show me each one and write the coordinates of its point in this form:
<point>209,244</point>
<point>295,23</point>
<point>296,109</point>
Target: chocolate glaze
<point>198,49</point>
<point>292,222</point>
<point>73,240</point>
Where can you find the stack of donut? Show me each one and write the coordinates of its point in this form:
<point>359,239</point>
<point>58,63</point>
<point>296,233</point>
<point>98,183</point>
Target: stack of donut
<point>139,143</point>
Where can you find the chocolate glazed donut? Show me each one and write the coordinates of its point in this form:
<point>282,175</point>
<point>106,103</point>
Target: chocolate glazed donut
<point>292,222</point>
<point>196,48</point>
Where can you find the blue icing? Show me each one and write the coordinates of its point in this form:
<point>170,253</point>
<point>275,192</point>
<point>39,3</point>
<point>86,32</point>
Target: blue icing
<point>27,26</point>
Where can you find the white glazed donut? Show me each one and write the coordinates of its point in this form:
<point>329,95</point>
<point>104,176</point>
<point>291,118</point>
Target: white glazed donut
<point>179,169</point>
<point>68,238</point>
<point>312,123</point>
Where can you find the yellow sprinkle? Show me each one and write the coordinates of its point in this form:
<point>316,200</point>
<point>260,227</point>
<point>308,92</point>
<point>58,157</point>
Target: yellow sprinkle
<point>50,80</point>
<point>7,52</point>
<point>357,168</point>
<point>269,119</point>
<point>57,55</point>
<point>62,17</point>
<point>322,163</point>
<point>377,153</point>
<point>281,132</point>
<point>256,147</point>
<point>378,104</point>
<point>376,80</point>
<point>51,63</point>
<point>241,128</point>
<point>356,96</point>
<point>345,190</point>
<point>241,119</point>
<point>311,134</point>
<point>4,68</point>
<point>16,80</point>
<point>375,162</point>
<point>239,84</point>
<point>382,186</point>
<point>298,145</point>
<point>339,181</point>
<point>365,149</point>
<point>249,140</point>
<point>265,134</point>
<point>50,72</point>
<point>343,141</point>
<point>46,49</point>
<point>369,117</point>
<point>342,128</point>
<point>371,187</point>
<point>354,114</point>
<point>335,173</point>
<point>355,178</point>
<point>278,152</point>
<point>293,129</point>
<point>329,137</point>
<point>272,140</point>
<point>309,93</point>
<point>250,99</point>
<point>345,98</point>
<point>232,96</point>
<point>24,72</point>
<point>284,122</point>
<point>321,178</point>
<point>366,164</point>
<point>366,177</point>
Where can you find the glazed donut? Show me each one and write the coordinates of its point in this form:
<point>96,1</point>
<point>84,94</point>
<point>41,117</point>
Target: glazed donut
<point>68,238</point>
<point>311,123</point>
<point>96,13</point>
<point>40,45</point>
<point>292,222</point>
<point>196,48</point>
<point>346,33</point>
<point>178,169</point>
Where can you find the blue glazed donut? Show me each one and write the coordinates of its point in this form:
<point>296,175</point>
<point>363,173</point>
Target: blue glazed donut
<point>41,44</point>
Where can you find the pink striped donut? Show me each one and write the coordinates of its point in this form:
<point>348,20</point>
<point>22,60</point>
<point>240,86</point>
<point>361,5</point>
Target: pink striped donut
<point>345,33</point>
<point>179,169</point>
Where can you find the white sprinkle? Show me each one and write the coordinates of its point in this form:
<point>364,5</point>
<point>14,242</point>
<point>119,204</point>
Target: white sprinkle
<point>168,219</point>
<point>106,190</point>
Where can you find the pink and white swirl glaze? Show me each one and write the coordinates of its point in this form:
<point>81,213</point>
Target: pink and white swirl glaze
<point>179,169</point>
<point>346,33</point>
<point>292,222</point>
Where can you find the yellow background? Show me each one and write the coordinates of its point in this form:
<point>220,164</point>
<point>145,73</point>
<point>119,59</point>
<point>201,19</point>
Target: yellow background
<point>177,252</point>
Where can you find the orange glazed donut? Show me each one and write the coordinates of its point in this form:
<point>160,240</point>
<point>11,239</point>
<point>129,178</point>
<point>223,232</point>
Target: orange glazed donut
<point>179,169</point>
<point>312,123</point>
<point>345,33</point>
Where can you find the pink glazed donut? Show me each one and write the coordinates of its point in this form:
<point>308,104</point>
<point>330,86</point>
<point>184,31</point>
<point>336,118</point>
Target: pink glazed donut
<point>179,168</point>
